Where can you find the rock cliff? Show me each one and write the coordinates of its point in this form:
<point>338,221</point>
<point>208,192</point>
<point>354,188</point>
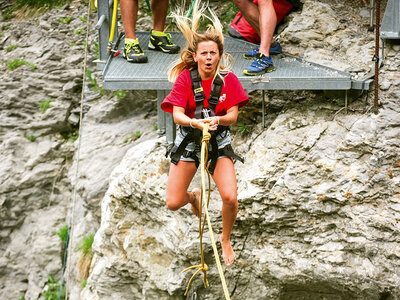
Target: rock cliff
<point>319,194</point>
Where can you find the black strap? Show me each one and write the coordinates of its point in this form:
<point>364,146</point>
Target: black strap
<point>199,96</point>
<point>198,92</point>
<point>215,93</point>
<point>176,152</point>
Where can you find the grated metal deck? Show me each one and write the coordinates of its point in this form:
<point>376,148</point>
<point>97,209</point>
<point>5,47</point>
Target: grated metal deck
<point>292,73</point>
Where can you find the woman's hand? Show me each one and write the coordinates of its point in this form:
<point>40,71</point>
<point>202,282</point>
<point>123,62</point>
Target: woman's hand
<point>214,122</point>
<point>200,123</point>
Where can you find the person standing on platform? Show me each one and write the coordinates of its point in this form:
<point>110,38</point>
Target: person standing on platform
<point>262,18</point>
<point>159,40</point>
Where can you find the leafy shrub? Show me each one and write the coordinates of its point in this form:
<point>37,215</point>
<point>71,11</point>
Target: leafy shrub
<point>63,234</point>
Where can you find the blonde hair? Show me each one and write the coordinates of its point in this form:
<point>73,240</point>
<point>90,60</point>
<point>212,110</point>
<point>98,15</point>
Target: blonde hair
<point>189,27</point>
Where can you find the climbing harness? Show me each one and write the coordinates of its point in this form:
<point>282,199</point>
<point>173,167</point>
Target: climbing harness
<point>203,267</point>
<point>194,135</point>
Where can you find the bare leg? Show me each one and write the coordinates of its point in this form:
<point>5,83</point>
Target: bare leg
<point>225,179</point>
<point>267,24</point>
<point>250,12</point>
<point>129,10</point>
<point>262,18</point>
<point>179,179</point>
<point>159,9</point>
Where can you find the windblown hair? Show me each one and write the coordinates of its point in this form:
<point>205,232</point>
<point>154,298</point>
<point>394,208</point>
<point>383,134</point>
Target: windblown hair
<point>189,27</point>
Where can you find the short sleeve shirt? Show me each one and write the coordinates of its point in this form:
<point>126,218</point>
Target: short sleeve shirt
<point>182,95</point>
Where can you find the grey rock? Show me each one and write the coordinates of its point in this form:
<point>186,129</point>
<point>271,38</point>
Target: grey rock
<point>318,195</point>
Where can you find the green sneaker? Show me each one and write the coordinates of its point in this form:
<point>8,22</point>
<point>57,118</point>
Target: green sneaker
<point>133,53</point>
<point>161,41</point>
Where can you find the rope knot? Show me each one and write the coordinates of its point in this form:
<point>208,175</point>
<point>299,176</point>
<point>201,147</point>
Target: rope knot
<point>206,137</point>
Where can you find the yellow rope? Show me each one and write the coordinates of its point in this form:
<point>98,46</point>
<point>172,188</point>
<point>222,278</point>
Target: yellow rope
<point>203,267</point>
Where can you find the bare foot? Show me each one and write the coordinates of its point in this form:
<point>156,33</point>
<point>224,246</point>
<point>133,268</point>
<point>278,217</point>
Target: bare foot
<point>194,202</point>
<point>227,251</point>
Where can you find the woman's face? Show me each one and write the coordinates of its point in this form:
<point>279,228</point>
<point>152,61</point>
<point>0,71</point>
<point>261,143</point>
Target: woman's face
<point>207,58</point>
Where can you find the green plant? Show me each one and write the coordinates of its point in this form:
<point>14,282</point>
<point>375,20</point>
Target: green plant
<point>52,289</point>
<point>94,84</point>
<point>72,44</point>
<point>63,234</point>
<point>16,63</point>
<point>243,129</point>
<point>79,31</point>
<point>226,16</point>
<point>85,245</point>
<point>45,105</point>
<point>65,20</point>
<point>97,49</point>
<point>11,48</point>
<point>5,26</point>
<point>137,134</point>
<point>120,94</point>
<point>8,14</point>
<point>155,126</point>
<point>83,283</point>
<point>73,136</point>
<point>31,137</point>
<point>22,298</point>
<point>83,19</point>
<point>83,264</point>
<point>39,3</point>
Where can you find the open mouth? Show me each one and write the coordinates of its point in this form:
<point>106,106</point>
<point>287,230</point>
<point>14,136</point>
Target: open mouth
<point>208,65</point>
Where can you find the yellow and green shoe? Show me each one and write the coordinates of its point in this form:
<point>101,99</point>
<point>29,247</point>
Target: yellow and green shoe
<point>161,41</point>
<point>132,51</point>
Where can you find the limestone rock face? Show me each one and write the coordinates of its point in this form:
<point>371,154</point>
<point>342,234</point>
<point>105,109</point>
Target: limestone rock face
<point>319,194</point>
<point>318,198</point>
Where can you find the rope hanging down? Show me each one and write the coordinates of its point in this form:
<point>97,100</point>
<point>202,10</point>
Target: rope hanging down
<point>203,267</point>
<point>69,242</point>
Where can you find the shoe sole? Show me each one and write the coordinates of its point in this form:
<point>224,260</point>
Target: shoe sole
<point>140,61</point>
<point>259,73</point>
<point>151,47</point>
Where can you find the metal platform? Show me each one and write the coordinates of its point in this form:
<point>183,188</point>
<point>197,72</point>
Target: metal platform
<point>292,73</point>
<point>390,28</point>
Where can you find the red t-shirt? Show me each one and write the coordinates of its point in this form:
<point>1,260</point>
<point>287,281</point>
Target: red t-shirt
<point>182,95</point>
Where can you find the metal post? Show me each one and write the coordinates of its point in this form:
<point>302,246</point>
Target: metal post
<point>263,108</point>
<point>160,113</point>
<point>371,15</point>
<point>376,58</point>
<point>170,129</point>
<point>103,13</point>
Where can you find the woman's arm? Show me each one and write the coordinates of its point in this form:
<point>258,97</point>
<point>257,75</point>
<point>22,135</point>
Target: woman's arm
<point>228,119</point>
<point>181,119</point>
<point>179,116</point>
